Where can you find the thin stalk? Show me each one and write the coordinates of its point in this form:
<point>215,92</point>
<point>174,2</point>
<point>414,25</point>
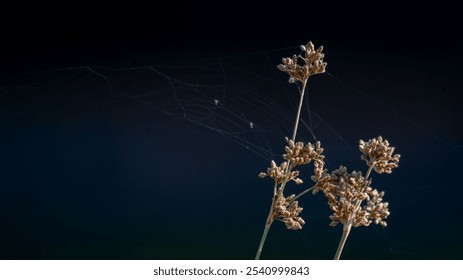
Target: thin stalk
<point>357,205</point>
<point>345,234</point>
<point>299,110</point>
<point>304,192</point>
<point>296,124</point>
<point>262,241</point>
<point>369,171</point>
<point>268,223</point>
<point>283,184</point>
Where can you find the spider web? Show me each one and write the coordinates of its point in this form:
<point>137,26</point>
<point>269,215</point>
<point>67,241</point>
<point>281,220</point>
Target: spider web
<point>243,98</point>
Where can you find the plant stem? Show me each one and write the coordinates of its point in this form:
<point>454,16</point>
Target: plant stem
<point>268,223</point>
<point>298,116</point>
<point>299,110</point>
<point>347,227</point>
<point>304,192</point>
<point>262,241</point>
<point>357,205</point>
<point>369,170</point>
<point>345,234</point>
<point>283,184</point>
<point>270,217</point>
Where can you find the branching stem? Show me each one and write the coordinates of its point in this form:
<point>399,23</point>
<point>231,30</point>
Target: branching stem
<point>270,217</point>
<point>302,193</point>
<point>348,225</point>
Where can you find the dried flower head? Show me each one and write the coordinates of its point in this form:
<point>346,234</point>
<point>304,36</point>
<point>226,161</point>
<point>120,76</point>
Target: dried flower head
<point>377,153</point>
<point>287,210</point>
<point>280,173</point>
<point>313,64</point>
<point>296,154</point>
<point>378,210</point>
<point>299,154</point>
<point>346,192</point>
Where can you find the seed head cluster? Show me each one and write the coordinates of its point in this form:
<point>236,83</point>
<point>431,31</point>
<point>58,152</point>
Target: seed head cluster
<point>377,152</point>
<point>313,64</point>
<point>352,200</point>
<point>287,210</point>
<point>350,196</point>
<point>280,174</point>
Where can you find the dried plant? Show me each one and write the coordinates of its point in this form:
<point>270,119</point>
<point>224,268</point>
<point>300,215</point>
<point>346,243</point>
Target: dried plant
<point>313,64</point>
<point>350,196</point>
<point>286,209</point>
<point>378,155</point>
<point>296,153</point>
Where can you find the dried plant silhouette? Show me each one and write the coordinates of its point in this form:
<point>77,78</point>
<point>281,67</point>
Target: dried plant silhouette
<point>350,196</point>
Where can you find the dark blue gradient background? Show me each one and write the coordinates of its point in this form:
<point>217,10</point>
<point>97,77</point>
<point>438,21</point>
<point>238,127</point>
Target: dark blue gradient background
<point>87,175</point>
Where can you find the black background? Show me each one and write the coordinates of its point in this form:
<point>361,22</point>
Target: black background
<point>68,33</point>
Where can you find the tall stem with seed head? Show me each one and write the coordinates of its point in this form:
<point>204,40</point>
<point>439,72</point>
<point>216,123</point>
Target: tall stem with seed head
<point>270,217</point>
<point>313,64</point>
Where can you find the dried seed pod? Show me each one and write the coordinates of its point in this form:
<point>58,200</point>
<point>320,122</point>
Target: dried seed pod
<point>287,211</point>
<point>313,64</point>
<point>376,152</point>
<point>277,173</point>
<point>345,192</point>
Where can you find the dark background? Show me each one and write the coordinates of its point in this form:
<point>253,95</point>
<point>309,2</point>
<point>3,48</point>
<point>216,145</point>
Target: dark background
<point>72,33</point>
<point>128,182</point>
